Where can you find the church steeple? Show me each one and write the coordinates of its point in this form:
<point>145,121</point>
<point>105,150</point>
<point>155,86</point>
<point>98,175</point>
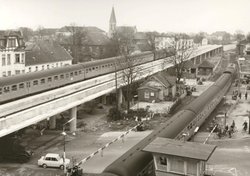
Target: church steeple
<point>112,23</point>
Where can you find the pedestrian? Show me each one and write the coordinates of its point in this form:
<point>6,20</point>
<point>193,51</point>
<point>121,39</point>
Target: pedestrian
<point>230,133</point>
<point>245,126</point>
<point>233,124</point>
<point>240,95</point>
<point>246,95</point>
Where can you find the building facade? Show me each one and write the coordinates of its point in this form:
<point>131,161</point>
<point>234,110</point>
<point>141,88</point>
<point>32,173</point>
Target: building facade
<point>12,53</point>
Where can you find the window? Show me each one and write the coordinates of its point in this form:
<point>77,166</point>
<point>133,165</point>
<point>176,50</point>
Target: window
<point>22,59</point>
<point>12,43</point>
<point>55,78</point>
<point>9,73</point>
<point>3,60</point>
<point>17,72</point>
<point>49,79</point>
<point>76,73</point>
<point>152,94</point>
<point>35,82</point>
<point>6,89</point>
<point>8,59</point>
<point>47,66</point>
<point>146,94</point>
<point>17,56</point>
<point>42,81</point>
<point>14,87</point>
<point>80,72</point>
<point>21,86</point>
<point>4,74</point>
<point>67,75</point>
<point>61,76</point>
<point>71,74</point>
<point>36,68</point>
<point>29,69</point>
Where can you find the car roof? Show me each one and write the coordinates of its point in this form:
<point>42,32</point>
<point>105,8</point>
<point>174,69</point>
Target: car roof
<point>52,155</point>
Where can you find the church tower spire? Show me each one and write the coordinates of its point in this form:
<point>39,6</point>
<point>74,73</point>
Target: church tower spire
<point>112,23</point>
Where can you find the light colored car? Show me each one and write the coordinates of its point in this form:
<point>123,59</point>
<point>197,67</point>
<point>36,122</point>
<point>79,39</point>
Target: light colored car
<point>53,160</point>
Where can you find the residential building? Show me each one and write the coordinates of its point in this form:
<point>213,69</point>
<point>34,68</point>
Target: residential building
<point>45,54</point>
<point>12,53</point>
<point>163,42</point>
<point>159,87</point>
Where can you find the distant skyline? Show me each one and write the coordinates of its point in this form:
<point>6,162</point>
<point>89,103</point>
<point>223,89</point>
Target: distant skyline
<point>190,16</point>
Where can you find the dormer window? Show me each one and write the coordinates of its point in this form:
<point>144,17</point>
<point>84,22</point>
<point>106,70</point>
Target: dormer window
<point>11,43</point>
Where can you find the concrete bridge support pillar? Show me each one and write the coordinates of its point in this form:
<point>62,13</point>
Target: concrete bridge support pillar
<point>119,98</point>
<point>73,115</point>
<point>104,99</point>
<point>52,122</point>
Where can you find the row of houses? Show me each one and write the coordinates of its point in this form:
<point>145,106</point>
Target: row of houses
<point>17,58</point>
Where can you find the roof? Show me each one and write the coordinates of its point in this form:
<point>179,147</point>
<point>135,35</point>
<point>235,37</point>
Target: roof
<point>165,79</point>
<point>97,38</point>
<point>45,51</point>
<point>189,64</point>
<point>179,148</point>
<point>206,64</point>
<point>56,155</point>
<point>147,86</point>
<point>112,17</point>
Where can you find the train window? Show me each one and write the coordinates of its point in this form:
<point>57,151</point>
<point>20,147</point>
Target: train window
<point>71,74</point>
<point>14,87</point>
<point>21,86</point>
<point>42,81</point>
<point>67,75</point>
<point>96,68</point>
<point>28,84</point>
<point>49,79</point>
<point>61,76</point>
<point>55,78</point>
<point>93,68</point>
<point>80,72</point>
<point>6,89</point>
<point>76,73</point>
<point>35,82</point>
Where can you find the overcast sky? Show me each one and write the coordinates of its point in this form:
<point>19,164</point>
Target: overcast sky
<point>160,15</point>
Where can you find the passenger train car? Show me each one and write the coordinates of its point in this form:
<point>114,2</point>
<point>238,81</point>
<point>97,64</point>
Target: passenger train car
<point>31,83</point>
<point>137,163</point>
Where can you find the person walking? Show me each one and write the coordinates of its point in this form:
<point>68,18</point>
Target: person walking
<point>245,126</point>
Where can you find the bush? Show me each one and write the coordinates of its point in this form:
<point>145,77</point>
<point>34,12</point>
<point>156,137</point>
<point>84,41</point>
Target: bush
<point>114,114</point>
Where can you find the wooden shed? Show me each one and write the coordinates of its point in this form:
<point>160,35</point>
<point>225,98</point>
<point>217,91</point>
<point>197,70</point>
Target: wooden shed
<point>174,157</point>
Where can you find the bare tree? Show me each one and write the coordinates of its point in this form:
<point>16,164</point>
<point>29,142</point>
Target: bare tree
<point>126,63</point>
<point>151,41</point>
<point>181,51</point>
<point>77,39</point>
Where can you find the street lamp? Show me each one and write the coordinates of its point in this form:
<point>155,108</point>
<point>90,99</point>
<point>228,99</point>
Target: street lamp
<point>64,142</point>
<point>64,153</point>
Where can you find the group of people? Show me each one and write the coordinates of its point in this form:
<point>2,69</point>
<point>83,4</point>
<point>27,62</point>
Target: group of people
<point>235,93</point>
<point>226,130</point>
<point>230,130</point>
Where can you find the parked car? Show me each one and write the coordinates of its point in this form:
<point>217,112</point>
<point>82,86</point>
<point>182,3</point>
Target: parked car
<point>53,160</point>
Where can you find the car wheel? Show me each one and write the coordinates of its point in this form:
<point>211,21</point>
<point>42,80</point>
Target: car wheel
<point>62,167</point>
<point>44,165</point>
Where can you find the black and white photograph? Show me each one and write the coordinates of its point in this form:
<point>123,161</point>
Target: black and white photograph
<point>124,88</point>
